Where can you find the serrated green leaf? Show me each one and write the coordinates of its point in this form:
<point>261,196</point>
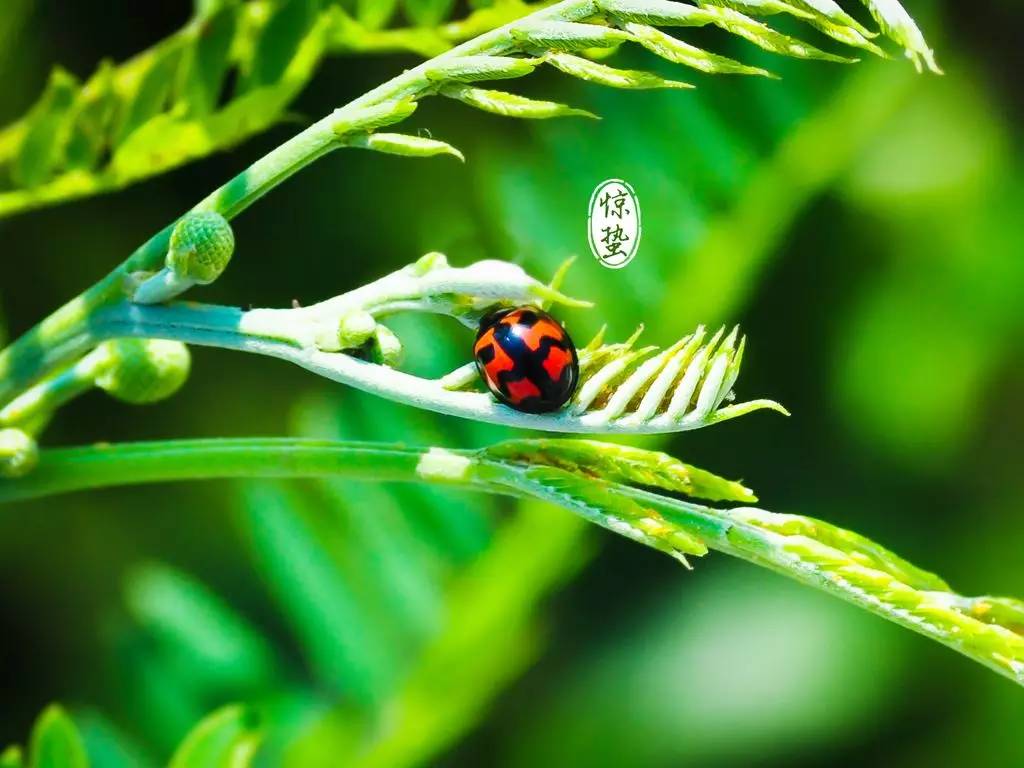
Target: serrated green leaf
<point>900,27</point>
<point>510,104</point>
<point>91,118</point>
<point>168,140</point>
<point>41,147</point>
<point>204,9</point>
<point>375,14</point>
<point>598,501</point>
<point>280,42</point>
<point>568,36</point>
<point>206,63</point>
<point>865,550</point>
<point>585,69</point>
<point>469,69</point>
<point>56,742</point>
<point>347,34</point>
<point>622,463</point>
<point>657,12</point>
<point>847,35</point>
<point>830,10</point>
<point>665,13</point>
<point>108,745</point>
<point>186,617</point>
<point>337,638</point>
<point>678,52</point>
<point>145,92</point>
<point>767,38</point>
<point>229,738</point>
<point>405,145</point>
<point>761,7</point>
<point>375,116</point>
<point>427,13</point>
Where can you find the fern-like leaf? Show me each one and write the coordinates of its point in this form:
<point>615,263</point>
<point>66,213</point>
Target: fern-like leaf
<point>164,107</point>
<point>169,105</point>
<point>818,554</point>
<point>622,388</point>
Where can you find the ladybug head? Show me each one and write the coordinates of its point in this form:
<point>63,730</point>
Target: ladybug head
<point>492,317</point>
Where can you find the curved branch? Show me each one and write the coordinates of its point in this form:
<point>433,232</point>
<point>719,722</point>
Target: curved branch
<point>688,395</point>
<point>812,552</point>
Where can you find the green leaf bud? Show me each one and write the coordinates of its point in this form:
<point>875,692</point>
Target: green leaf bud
<point>350,331</point>
<point>585,69</point>
<point>201,247</point>
<point>678,52</point>
<point>510,104</point>
<point>141,371</point>
<point>469,69</point>
<point>387,348</point>
<point>406,146</point>
<point>19,453</point>
<point>568,36</point>
<point>375,116</point>
<point>428,262</point>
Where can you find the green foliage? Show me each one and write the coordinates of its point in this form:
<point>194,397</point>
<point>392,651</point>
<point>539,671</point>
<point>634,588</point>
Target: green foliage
<point>406,588</point>
<point>510,105</point>
<point>811,551</point>
<point>55,742</point>
<point>18,452</point>
<point>623,464</point>
<point>174,103</point>
<point>164,107</point>
<point>420,743</point>
<point>484,57</point>
<point>141,371</point>
<point>227,738</point>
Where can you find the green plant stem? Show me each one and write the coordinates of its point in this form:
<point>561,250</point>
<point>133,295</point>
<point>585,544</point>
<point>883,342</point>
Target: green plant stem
<point>74,469</point>
<point>63,335</point>
<point>33,407</point>
<point>291,335</point>
<point>808,551</point>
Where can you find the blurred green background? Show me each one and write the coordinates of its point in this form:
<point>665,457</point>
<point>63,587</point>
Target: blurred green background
<point>862,223</point>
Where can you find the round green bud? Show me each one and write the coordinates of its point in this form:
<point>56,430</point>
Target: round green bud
<point>387,348</point>
<point>201,247</point>
<point>19,453</point>
<point>349,331</point>
<point>141,371</point>
<point>428,263</point>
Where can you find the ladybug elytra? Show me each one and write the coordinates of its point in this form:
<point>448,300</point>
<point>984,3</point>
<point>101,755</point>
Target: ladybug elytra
<point>526,359</point>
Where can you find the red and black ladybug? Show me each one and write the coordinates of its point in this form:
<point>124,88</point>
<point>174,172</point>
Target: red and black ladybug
<point>527,359</point>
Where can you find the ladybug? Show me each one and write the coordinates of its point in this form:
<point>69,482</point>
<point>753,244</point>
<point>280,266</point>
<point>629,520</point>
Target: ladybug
<point>526,359</point>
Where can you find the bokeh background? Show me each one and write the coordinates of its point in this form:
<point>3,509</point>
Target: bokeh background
<point>864,226</point>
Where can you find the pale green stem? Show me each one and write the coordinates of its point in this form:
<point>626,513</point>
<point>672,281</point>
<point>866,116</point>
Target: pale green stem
<point>74,469</point>
<point>292,335</point>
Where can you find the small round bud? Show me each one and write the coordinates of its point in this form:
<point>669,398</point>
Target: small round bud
<point>201,247</point>
<point>141,371</point>
<point>387,348</point>
<point>354,328</point>
<point>19,453</point>
<point>428,263</point>
<point>349,331</point>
